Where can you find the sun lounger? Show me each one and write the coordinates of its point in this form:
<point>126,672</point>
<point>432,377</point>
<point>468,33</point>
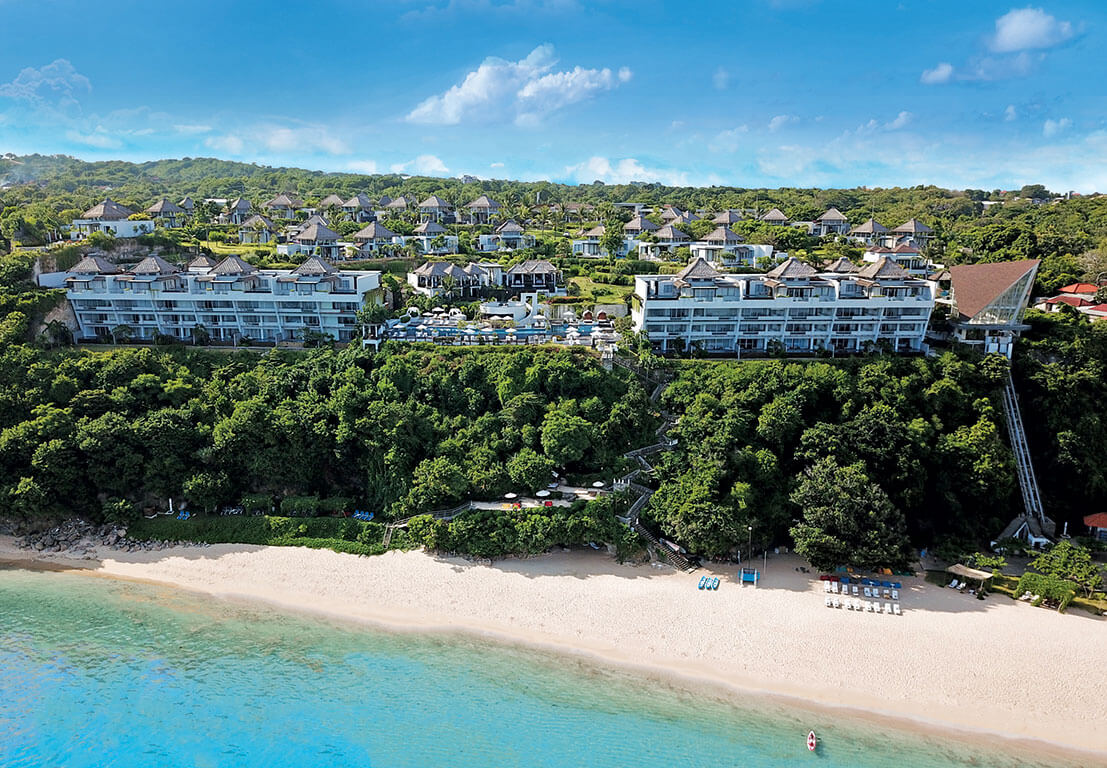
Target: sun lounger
<point>868,592</point>
<point>888,608</point>
<point>870,607</point>
<point>953,584</point>
<point>827,601</point>
<point>855,590</point>
<point>703,581</point>
<point>895,594</point>
<point>715,583</point>
<point>962,587</point>
<point>834,587</point>
<point>826,587</point>
<point>837,603</point>
<point>896,609</point>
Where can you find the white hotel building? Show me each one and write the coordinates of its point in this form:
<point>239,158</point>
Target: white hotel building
<point>802,309</point>
<point>232,300</point>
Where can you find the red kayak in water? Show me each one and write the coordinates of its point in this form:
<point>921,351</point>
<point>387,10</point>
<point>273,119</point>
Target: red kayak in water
<point>812,742</point>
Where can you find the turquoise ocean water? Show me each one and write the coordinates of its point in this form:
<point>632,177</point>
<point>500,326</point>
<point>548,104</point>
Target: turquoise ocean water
<point>101,673</point>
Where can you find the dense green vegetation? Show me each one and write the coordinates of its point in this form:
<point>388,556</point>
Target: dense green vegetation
<point>401,432</point>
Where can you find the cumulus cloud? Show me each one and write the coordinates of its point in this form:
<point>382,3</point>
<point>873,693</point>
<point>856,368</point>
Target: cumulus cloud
<point>1010,114</point>
<point>524,91</point>
<point>423,165</point>
<point>1053,127</point>
<point>939,74</point>
<point>190,130</point>
<point>229,144</point>
<point>721,79</point>
<point>623,171</point>
<point>55,84</point>
<point>901,120</point>
<point>1028,28</point>
<point>496,165</point>
<point>781,121</point>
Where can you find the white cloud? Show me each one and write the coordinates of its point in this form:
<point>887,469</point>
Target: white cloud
<point>721,79</point>
<point>1028,28</point>
<point>939,74</point>
<point>623,171</point>
<point>496,165</point>
<point>902,119</point>
<point>523,91</point>
<point>422,165</point>
<point>1010,114</point>
<point>727,141</point>
<point>230,144</point>
<point>781,121</point>
<point>98,138</point>
<point>57,83</point>
<point>362,166</point>
<point>190,130</point>
<point>1053,127</point>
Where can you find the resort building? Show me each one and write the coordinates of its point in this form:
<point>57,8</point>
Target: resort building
<point>441,277</point>
<point>316,239</point>
<point>395,207</point>
<point>872,232</point>
<point>509,236</point>
<point>776,217</point>
<point>187,205</point>
<point>431,238</point>
<point>794,308</point>
<point>905,254</point>
<point>257,229</point>
<point>913,230</point>
<point>830,223</point>
<point>724,248</point>
<point>588,244</point>
<point>533,276</point>
<point>236,212</point>
<point>483,210</point>
<point>283,207</point>
<point>668,239</point>
<point>358,208</point>
<point>639,225</point>
<point>434,208</point>
<point>988,301</point>
<point>727,217</point>
<point>169,215</point>
<point>376,240</point>
<point>231,301</point>
<point>111,218</point>
<point>329,203</point>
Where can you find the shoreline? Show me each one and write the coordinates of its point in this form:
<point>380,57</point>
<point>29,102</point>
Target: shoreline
<point>275,577</point>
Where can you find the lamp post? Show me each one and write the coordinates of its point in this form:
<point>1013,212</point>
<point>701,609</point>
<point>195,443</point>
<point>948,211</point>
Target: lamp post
<point>749,548</point>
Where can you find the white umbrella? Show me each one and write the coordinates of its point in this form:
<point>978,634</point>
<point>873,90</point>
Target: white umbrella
<point>542,494</point>
<point>598,484</point>
<point>511,495</point>
<point>438,310</point>
<point>511,330</point>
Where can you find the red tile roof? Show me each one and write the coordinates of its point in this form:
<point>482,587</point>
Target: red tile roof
<point>1098,520</point>
<point>1097,308</point>
<point>1072,301</point>
<point>1079,288</point>
<point>975,286</point>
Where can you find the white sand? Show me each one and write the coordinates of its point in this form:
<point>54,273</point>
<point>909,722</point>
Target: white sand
<point>950,660</point>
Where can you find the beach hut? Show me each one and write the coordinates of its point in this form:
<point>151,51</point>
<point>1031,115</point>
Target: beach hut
<point>974,574</point>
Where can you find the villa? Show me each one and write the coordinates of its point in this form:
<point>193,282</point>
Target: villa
<point>872,232</point>
<point>588,246</point>
<point>316,239</point>
<point>435,209</point>
<point>257,229</point>
<point>395,207</point>
<point>283,206</point>
<point>233,301</point>
<point>905,254</point>
<point>358,208</point>
<point>167,214</point>
<point>236,212</point>
<point>483,210</point>
<point>376,239</point>
<point>913,230</point>
<point>775,217</point>
<point>724,248</point>
<point>668,239</point>
<point>794,306</point>
<point>431,238</point>
<point>534,276</point>
<point>187,205</point>
<point>440,277</point>
<point>830,223</point>
<point>509,236</point>
<point>111,218</point>
<point>639,225</point>
<point>330,202</point>
<point>727,217</point>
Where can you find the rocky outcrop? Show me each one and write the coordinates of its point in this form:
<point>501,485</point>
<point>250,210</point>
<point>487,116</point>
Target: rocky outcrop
<point>80,539</point>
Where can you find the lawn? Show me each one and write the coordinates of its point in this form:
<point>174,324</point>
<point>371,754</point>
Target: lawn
<point>601,293</point>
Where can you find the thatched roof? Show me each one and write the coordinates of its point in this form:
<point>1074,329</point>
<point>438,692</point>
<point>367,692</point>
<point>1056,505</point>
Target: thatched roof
<point>258,221</point>
<point>164,206</point>
<point>284,201</point>
<point>669,232</point>
<point>774,215</point>
<point>484,202</point>
<point>331,201</point>
<point>912,227</point>
<point>509,227</point>
<point>699,269</point>
<point>434,201</point>
<point>233,265</point>
<point>430,228</point>
<point>724,235</point>
<point>640,224</point>
<point>314,266</point>
<point>832,215</point>
<point>533,267</point>
<point>841,266</point>
<point>95,265</point>
<point>109,210</point>
<point>792,269</point>
<point>374,231</point>
<point>315,232</point>
<point>359,201</point>
<point>153,265</point>
<point>726,218</point>
<point>870,227</point>
<point>883,269</point>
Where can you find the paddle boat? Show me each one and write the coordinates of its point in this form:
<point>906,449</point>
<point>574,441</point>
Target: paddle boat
<point>715,583</point>
<point>812,742</point>
<point>703,582</point>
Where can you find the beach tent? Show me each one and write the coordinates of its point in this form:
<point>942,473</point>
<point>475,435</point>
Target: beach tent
<point>964,572</point>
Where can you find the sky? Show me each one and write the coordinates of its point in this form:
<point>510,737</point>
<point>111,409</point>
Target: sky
<point>746,92</point>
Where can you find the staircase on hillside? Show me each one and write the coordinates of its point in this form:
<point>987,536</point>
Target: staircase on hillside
<point>1033,525</point>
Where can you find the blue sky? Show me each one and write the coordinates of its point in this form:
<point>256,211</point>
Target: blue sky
<point>746,92</point>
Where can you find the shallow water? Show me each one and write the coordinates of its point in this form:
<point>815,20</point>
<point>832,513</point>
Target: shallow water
<point>95,672</point>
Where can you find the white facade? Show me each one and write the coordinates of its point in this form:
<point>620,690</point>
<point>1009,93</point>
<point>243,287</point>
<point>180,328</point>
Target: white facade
<point>801,312</point>
<point>590,248</point>
<point>82,228</point>
<point>261,305</point>
<point>507,241</point>
<point>735,254</point>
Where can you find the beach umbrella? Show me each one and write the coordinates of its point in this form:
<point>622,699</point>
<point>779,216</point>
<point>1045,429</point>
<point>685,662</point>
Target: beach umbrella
<point>438,310</point>
<point>542,493</point>
<point>598,484</point>
<point>511,495</point>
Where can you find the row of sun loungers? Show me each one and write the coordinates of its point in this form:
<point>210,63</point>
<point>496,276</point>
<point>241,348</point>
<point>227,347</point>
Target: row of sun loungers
<point>870,606</point>
<point>888,593</point>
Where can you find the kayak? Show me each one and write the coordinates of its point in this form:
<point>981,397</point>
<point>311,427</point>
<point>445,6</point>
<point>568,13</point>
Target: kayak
<point>812,742</point>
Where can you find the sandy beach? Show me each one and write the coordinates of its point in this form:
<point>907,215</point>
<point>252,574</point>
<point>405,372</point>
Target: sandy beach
<point>950,661</point>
